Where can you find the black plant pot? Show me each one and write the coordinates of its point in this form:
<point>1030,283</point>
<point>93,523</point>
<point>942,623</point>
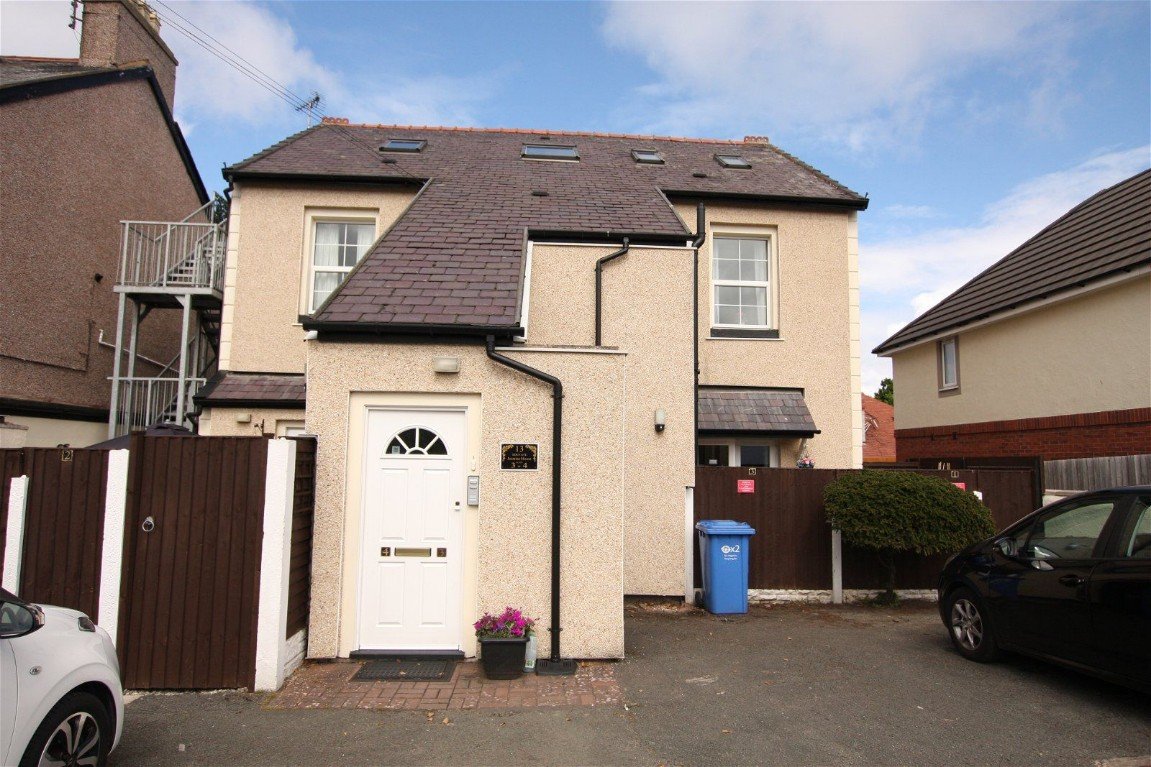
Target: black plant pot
<point>503,658</point>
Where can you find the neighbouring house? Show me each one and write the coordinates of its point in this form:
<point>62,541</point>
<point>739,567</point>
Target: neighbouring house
<point>490,331</point>
<point>84,143</point>
<point>1045,353</point>
<point>878,431</point>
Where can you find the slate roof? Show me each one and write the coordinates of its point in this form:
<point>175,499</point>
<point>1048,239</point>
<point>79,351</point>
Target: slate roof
<point>285,390</point>
<point>763,411</point>
<point>16,70</point>
<point>455,258</point>
<point>1107,234</point>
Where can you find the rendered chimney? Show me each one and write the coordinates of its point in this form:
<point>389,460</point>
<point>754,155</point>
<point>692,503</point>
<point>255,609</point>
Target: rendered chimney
<point>121,32</point>
<point>756,140</point>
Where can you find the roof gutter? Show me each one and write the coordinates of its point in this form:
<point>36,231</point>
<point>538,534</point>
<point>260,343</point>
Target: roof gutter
<point>858,203</point>
<point>599,264</point>
<point>555,665</point>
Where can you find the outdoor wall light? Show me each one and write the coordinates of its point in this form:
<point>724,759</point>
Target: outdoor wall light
<point>660,420</point>
<point>243,417</point>
<point>446,364</point>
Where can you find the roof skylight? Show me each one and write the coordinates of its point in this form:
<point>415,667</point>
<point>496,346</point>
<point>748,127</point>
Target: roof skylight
<point>732,161</point>
<point>549,152</point>
<point>403,145</point>
<point>647,156</point>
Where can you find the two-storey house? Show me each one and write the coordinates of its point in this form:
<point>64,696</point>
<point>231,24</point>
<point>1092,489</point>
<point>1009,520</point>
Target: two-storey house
<point>514,346</point>
<point>84,144</point>
<point>1046,352</point>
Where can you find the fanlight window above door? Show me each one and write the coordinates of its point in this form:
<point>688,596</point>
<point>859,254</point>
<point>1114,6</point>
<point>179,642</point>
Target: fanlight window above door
<point>416,441</point>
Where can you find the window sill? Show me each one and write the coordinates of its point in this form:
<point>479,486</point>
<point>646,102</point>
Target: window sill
<point>950,391</point>
<point>744,333</point>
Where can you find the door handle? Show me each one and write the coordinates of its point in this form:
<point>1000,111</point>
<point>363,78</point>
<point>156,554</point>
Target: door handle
<point>1072,580</point>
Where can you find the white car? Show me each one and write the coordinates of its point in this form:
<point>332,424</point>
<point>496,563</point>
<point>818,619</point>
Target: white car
<point>60,697</point>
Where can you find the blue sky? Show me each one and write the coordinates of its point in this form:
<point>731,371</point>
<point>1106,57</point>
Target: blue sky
<point>970,125</point>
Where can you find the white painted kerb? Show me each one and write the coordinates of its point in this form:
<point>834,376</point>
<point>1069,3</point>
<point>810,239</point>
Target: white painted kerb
<point>112,552</point>
<point>14,535</point>
<point>275,561</point>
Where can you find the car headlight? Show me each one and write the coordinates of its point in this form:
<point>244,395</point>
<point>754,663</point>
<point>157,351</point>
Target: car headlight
<point>85,623</point>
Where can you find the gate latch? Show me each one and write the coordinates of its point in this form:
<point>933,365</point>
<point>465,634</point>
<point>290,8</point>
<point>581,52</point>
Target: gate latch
<point>149,525</point>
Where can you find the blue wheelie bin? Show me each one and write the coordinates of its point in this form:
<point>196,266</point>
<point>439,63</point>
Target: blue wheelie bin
<point>723,555</point>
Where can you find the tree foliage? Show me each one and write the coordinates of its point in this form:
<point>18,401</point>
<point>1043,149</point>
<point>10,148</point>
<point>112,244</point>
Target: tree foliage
<point>894,511</point>
<point>886,391</point>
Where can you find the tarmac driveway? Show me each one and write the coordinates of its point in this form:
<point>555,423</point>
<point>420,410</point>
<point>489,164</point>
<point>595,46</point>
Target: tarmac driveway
<point>788,685</point>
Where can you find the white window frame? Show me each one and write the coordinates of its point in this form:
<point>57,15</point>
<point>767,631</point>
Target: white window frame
<point>770,285</point>
<point>733,452</point>
<point>313,216</point>
<point>944,384</point>
<point>290,428</point>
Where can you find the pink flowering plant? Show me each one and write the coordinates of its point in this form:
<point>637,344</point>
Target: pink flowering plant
<point>510,624</point>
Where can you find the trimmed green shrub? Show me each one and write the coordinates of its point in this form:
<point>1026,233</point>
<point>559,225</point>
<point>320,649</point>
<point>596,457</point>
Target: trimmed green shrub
<point>894,511</point>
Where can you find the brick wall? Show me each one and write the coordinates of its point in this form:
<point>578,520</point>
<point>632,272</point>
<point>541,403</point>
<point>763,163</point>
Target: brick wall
<point>1081,435</point>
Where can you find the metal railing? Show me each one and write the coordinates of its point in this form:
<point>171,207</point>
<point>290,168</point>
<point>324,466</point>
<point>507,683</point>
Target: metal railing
<point>144,402</point>
<point>171,254</point>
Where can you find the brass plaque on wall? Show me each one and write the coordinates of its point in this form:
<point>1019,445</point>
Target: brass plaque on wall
<point>519,457</point>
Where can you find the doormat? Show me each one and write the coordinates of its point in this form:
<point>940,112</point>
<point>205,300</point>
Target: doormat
<point>406,670</point>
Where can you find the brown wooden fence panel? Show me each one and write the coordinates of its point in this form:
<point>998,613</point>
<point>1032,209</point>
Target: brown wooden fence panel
<point>792,545</point>
<point>190,586</point>
<point>64,527</point>
<point>11,465</point>
<point>303,512</point>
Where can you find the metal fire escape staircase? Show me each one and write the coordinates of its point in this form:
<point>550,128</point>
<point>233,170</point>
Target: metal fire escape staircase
<point>168,265</point>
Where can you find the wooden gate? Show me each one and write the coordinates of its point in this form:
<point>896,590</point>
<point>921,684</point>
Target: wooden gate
<point>190,585</point>
<point>64,527</point>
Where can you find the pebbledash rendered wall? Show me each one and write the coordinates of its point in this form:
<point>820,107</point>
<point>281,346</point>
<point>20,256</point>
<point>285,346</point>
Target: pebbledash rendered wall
<point>816,286</point>
<point>647,313</point>
<point>268,250</point>
<point>507,537</point>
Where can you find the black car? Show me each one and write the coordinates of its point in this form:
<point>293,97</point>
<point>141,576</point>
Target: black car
<point>1069,583</point>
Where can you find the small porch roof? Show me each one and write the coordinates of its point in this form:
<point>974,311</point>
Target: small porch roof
<point>227,389</point>
<point>769,412</point>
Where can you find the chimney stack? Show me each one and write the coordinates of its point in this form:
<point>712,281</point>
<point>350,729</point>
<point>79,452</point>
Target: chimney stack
<point>116,33</point>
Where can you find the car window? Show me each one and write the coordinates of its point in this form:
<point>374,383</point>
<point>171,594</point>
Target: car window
<point>1070,532</point>
<point>1137,543</point>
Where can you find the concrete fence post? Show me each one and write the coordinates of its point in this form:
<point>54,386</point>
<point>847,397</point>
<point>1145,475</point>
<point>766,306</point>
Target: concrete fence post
<point>275,565</point>
<point>112,549</point>
<point>836,567</point>
<point>14,535</point>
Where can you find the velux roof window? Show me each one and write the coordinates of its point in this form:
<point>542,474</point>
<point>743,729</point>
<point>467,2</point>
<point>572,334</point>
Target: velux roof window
<point>403,145</point>
<point>647,156</point>
<point>548,152</point>
<point>732,161</point>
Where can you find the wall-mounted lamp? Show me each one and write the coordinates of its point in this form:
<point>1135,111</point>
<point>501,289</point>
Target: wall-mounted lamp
<point>660,420</point>
<point>243,417</point>
<point>446,364</point>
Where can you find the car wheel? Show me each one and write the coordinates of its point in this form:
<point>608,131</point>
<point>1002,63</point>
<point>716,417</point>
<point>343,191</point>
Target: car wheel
<point>968,627</point>
<point>77,731</point>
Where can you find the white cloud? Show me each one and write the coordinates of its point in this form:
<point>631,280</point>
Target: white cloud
<point>861,74</point>
<point>38,28</point>
<point>902,277</point>
<point>211,89</point>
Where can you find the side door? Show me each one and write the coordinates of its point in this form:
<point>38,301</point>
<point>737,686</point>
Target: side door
<point>1120,596</point>
<point>1050,612</point>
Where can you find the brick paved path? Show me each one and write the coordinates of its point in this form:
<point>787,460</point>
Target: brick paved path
<point>330,685</point>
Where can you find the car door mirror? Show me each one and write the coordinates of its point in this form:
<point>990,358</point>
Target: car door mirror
<point>1007,547</point>
<point>18,619</point>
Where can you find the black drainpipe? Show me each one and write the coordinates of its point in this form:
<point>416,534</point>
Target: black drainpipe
<point>599,287</point>
<point>700,236</point>
<point>554,666</point>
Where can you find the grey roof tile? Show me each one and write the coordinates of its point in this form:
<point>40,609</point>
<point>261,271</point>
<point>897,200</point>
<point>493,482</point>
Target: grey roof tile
<point>753,410</point>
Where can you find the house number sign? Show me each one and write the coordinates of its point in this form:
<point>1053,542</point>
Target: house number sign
<point>519,457</point>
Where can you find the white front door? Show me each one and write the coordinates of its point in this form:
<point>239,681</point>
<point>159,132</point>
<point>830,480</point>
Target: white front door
<point>411,560</point>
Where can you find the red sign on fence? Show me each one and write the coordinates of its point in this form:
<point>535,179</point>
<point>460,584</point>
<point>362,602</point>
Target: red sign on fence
<point>745,486</point>
<point>960,485</point>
